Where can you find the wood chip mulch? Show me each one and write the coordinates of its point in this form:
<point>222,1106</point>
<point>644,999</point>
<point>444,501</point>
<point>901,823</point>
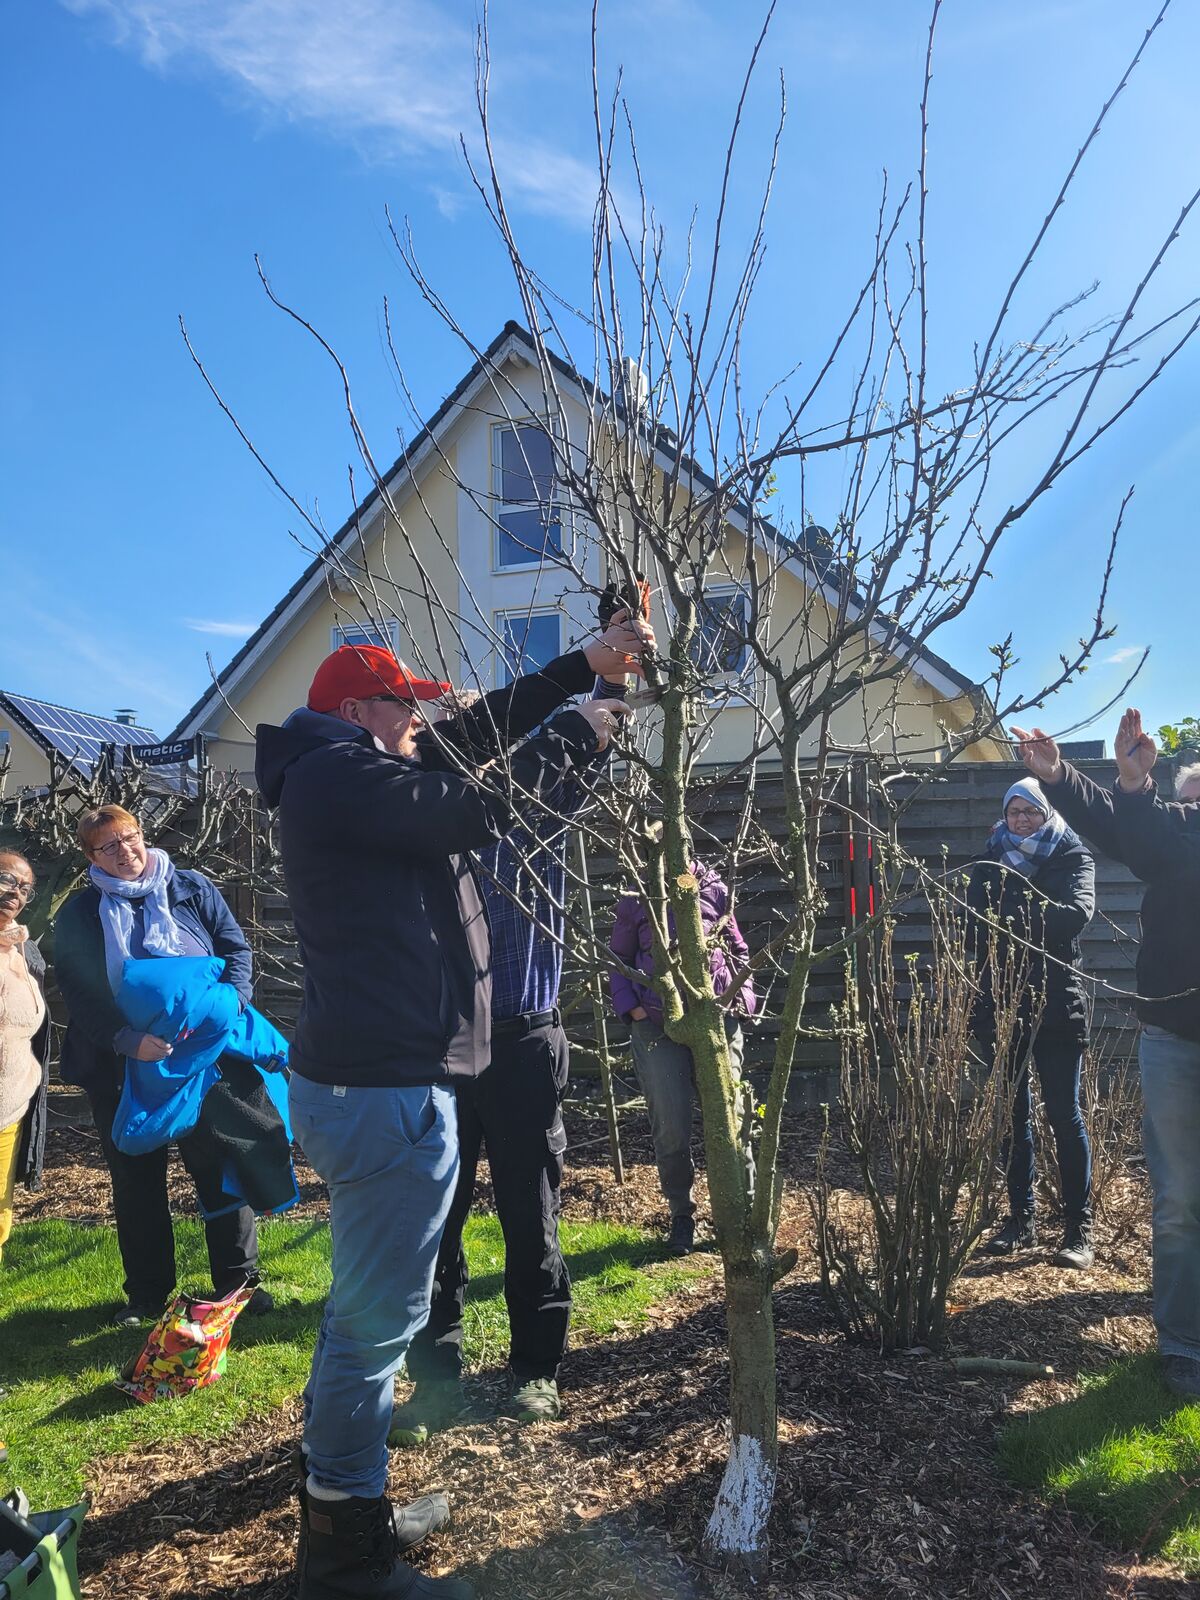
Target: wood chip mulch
<point>888,1486</point>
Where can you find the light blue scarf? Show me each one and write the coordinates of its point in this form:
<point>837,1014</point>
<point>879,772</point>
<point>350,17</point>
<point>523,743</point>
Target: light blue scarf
<point>160,932</point>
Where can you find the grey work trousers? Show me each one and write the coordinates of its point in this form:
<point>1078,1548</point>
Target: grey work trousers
<point>665,1072</point>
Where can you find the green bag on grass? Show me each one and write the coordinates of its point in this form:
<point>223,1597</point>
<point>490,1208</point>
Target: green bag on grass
<point>45,1547</point>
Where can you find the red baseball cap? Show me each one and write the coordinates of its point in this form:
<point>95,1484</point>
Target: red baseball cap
<point>362,671</point>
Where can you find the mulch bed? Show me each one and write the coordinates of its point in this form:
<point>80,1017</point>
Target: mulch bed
<point>887,1486</point>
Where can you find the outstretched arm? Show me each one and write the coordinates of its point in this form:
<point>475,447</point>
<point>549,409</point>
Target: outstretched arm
<point>1155,839</point>
<point>1084,804</point>
<point>496,722</point>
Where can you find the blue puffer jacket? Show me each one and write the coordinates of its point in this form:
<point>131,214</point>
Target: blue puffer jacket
<point>182,999</point>
<point>90,1054</point>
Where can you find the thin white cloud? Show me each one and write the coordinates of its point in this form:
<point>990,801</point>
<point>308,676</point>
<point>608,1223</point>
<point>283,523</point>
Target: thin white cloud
<point>97,662</point>
<point>400,71</point>
<point>228,630</point>
<point>1127,653</point>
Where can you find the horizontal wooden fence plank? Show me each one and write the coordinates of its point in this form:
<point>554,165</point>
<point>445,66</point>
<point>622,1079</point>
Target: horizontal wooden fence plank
<point>944,827</point>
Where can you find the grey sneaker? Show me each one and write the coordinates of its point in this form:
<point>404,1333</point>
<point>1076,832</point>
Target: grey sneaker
<point>1183,1375</point>
<point>436,1404</point>
<point>534,1400</point>
<point>1076,1249</point>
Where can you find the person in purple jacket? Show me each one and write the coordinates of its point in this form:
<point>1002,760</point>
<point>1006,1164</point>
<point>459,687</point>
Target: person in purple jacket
<point>664,1068</point>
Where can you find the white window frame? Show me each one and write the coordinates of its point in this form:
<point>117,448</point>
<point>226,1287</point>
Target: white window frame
<point>741,679</point>
<point>505,614</point>
<point>499,503</point>
<point>391,626</point>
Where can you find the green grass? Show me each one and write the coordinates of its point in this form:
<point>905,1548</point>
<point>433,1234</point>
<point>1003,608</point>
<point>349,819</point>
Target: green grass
<point>59,1354</point>
<point>1125,1454</point>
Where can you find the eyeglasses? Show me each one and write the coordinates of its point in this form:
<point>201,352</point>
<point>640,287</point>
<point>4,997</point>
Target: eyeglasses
<point>113,848</point>
<point>1025,814</point>
<point>392,700</point>
<point>17,886</point>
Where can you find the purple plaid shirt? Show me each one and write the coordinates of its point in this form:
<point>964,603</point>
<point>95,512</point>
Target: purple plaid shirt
<point>531,862</point>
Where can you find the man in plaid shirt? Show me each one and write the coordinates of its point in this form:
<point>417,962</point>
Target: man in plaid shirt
<point>515,1107</point>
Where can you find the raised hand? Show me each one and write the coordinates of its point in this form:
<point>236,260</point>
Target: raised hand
<point>619,649</point>
<point>604,716</point>
<point>1039,753</point>
<point>1136,752</point>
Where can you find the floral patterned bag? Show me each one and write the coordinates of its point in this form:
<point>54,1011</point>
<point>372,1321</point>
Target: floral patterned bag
<point>186,1349</point>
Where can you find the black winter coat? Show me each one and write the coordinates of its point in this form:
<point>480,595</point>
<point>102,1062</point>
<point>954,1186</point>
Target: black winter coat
<point>388,914</point>
<point>31,1145</point>
<point>1049,910</point>
<point>1159,841</point>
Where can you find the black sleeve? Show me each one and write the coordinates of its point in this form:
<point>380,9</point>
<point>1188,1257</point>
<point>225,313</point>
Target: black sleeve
<point>488,728</point>
<point>35,961</point>
<point>390,804</point>
<point>1064,918</point>
<point>983,896</point>
<point>82,975</point>
<point>1088,808</point>
<point>1160,839</point>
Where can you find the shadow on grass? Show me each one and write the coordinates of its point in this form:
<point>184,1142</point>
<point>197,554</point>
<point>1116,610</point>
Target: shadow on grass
<point>46,1343</point>
<point>1125,1453</point>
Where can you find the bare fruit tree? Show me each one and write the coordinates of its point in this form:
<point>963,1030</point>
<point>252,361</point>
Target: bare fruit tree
<point>647,470</point>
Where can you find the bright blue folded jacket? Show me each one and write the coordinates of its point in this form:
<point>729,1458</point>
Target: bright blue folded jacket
<point>182,999</point>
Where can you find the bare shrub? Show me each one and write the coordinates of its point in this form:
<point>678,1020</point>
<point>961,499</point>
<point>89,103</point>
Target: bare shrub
<point>922,1116</point>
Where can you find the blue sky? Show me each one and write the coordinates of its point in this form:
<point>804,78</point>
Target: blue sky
<point>156,145</point>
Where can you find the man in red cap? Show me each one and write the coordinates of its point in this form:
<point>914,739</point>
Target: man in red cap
<point>384,693</point>
<point>377,811</point>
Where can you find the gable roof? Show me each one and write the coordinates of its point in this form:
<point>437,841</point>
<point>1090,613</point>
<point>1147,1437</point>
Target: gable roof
<point>75,735</point>
<point>937,671</point>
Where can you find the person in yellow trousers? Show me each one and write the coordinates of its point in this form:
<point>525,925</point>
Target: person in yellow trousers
<point>24,1042</point>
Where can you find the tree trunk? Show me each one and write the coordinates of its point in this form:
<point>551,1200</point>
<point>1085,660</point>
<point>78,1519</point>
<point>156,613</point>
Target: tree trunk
<point>737,1529</point>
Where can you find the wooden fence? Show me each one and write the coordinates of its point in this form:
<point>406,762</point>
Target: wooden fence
<point>945,826</point>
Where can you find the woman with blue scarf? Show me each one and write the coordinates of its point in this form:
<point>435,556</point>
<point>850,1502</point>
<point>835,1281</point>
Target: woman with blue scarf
<point>138,904</point>
<point>1033,892</point>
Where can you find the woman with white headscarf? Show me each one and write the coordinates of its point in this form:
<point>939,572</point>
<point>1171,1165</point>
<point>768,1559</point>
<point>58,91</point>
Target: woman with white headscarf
<point>1033,892</point>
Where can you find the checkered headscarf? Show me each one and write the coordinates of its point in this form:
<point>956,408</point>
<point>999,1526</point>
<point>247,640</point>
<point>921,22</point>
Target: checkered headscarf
<point>1026,855</point>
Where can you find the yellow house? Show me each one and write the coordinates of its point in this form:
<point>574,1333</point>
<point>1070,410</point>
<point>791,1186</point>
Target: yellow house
<point>439,565</point>
<point>35,732</point>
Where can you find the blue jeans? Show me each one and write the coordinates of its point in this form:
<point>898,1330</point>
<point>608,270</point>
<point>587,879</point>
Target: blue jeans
<point>389,1158</point>
<point>1058,1061</point>
<point>1171,1133</point>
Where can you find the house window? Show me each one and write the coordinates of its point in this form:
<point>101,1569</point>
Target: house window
<point>385,635</point>
<point>528,529</point>
<point>528,640</point>
<point>719,647</point>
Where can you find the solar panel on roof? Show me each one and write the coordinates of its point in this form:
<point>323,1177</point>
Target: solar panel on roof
<point>77,735</point>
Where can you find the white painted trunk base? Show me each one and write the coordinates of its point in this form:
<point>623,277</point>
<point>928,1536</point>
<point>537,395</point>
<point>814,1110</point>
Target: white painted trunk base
<point>738,1525</point>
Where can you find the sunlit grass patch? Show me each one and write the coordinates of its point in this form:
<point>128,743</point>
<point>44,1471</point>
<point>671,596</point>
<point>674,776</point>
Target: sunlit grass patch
<point>59,1349</point>
<point>1125,1454</point>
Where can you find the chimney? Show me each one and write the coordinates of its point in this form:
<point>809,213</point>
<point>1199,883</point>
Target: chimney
<point>125,716</point>
<point>635,388</point>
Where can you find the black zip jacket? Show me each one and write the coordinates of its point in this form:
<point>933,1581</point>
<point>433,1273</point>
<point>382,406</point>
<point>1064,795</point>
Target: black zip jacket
<point>1048,910</point>
<point>31,1141</point>
<point>1159,841</point>
<point>389,917</point>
